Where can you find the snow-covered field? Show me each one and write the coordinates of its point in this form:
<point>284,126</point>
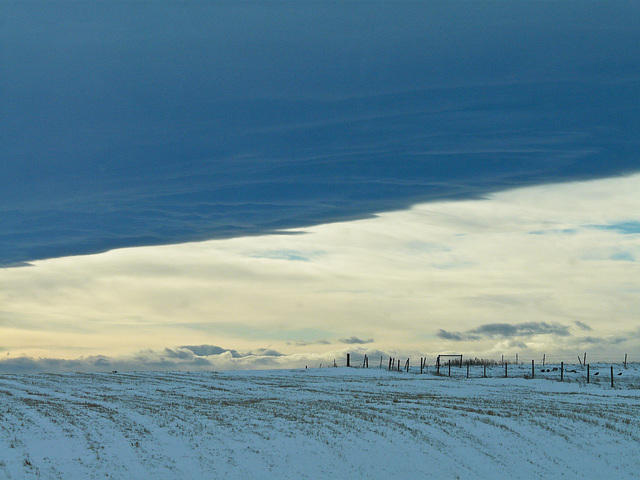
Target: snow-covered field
<point>320,423</point>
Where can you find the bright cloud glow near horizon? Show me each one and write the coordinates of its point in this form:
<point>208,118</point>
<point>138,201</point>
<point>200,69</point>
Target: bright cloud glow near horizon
<point>550,269</point>
<point>273,184</point>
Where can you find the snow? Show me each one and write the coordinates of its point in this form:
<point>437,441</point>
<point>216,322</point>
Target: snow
<point>321,423</point>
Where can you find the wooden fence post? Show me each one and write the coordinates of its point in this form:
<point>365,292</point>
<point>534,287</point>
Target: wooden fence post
<point>533,369</point>
<point>561,371</point>
<point>348,359</point>
<point>449,367</point>
<point>467,370</point>
<point>484,372</point>
<point>506,374</point>
<point>612,376</point>
<point>588,373</point>
<point>625,360</point>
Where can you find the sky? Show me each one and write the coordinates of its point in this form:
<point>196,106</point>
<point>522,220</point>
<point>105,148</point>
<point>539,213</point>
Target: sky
<point>244,184</point>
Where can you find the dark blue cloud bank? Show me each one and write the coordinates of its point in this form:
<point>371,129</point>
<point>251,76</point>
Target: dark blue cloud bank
<point>152,122</point>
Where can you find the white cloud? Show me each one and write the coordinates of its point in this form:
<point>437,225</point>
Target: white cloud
<point>527,255</point>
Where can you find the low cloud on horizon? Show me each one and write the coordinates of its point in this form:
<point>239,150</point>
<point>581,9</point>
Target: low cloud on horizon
<point>196,358</point>
<point>184,359</point>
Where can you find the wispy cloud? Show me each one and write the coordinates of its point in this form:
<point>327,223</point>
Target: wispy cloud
<point>629,227</point>
<point>526,329</point>
<point>356,341</point>
<point>581,325</point>
<point>454,336</point>
<point>304,343</point>
<point>506,330</point>
<point>623,256</point>
<point>264,352</point>
<point>290,255</point>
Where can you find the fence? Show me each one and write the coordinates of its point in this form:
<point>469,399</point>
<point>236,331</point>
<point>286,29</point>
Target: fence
<point>610,373</point>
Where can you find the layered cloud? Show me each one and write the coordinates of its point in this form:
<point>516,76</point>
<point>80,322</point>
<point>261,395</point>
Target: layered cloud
<point>539,270</point>
<point>186,121</point>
